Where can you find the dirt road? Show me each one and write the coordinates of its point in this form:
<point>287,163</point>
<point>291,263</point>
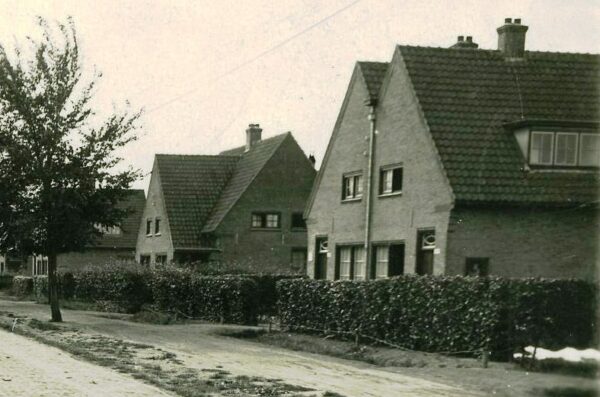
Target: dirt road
<point>29,368</point>
<point>199,348</point>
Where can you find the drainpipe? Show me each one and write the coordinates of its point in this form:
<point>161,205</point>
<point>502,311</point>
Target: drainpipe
<point>370,159</point>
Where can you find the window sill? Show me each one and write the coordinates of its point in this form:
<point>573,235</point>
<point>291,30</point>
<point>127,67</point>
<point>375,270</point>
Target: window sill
<point>149,235</point>
<point>352,200</point>
<point>393,194</point>
<point>157,234</point>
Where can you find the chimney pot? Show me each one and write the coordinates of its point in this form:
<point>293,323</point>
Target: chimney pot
<point>253,135</point>
<point>511,39</point>
<point>507,20</point>
<point>461,38</point>
<point>461,43</point>
<point>469,39</point>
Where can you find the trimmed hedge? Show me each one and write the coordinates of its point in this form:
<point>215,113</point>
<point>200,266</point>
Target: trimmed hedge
<point>22,286</point>
<point>66,287</point>
<point>126,289</point>
<point>452,314</point>
<point>230,299</point>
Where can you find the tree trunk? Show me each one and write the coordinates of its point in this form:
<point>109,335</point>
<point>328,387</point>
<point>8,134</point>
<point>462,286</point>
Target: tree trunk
<point>53,288</point>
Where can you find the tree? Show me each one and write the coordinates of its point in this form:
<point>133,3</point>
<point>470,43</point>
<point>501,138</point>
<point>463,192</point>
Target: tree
<point>58,159</point>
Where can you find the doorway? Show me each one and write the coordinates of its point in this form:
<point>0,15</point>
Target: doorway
<point>321,252</point>
<point>425,251</point>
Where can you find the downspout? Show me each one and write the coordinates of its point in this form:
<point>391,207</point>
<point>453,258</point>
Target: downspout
<point>370,158</point>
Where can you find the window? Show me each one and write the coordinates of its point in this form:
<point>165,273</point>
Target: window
<point>299,259</point>
<point>478,267</point>
<point>352,187</point>
<point>542,144</point>
<point>351,262</point>
<point>589,152</point>
<point>390,180</point>
<point>269,220</point>
<point>148,227</point>
<point>109,230</point>
<point>160,259</point>
<point>40,265</point>
<point>145,260</point>
<point>389,260</point>
<point>566,148</point>
<point>157,226</point>
<point>298,221</point>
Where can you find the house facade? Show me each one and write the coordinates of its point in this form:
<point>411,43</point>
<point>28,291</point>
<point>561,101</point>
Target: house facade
<point>116,245</point>
<point>242,206</point>
<point>462,161</point>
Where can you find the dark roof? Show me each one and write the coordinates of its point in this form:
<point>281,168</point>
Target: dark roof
<point>373,74</point>
<point>468,95</point>
<point>191,186</point>
<point>134,203</point>
<point>250,164</point>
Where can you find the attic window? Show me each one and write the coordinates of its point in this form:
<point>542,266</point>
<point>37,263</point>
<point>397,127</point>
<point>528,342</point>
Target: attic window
<point>558,147</point>
<point>266,220</point>
<point>352,186</point>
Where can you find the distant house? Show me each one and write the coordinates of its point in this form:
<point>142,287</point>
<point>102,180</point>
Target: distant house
<point>117,245</point>
<point>243,205</point>
<point>462,161</point>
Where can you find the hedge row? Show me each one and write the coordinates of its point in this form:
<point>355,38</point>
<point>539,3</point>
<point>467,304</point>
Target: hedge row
<point>22,286</point>
<point>445,313</point>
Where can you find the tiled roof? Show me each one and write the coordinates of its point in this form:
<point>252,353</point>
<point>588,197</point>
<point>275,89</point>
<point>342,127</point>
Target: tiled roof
<point>249,165</point>
<point>467,95</point>
<point>373,73</point>
<point>191,186</point>
<point>134,202</point>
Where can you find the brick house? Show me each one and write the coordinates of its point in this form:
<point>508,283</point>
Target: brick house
<point>117,245</point>
<point>243,205</point>
<point>462,160</point>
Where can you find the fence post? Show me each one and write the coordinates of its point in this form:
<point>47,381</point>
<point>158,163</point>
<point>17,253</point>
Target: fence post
<point>485,356</point>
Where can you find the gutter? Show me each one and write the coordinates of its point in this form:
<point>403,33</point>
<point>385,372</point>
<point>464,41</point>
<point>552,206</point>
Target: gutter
<point>370,158</point>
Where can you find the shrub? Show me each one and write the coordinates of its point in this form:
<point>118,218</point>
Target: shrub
<point>451,314</point>
<point>126,288</point>
<point>22,286</point>
<point>40,289</point>
<point>66,287</point>
<point>5,281</point>
<point>231,299</point>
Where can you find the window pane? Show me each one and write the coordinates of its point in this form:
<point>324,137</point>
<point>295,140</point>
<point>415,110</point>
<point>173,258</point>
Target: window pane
<point>541,147</point>
<point>590,150</point>
<point>256,220</point>
<point>157,226</point>
<point>273,220</point>
<point>359,263</point>
<point>397,180</point>
<point>358,188</point>
<point>387,181</point>
<point>148,227</point>
<point>382,260</point>
<point>348,187</point>
<point>345,255</point>
<point>566,149</point>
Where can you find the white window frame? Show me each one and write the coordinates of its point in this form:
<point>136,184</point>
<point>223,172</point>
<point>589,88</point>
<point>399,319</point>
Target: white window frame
<point>387,178</point>
<point>149,226</point>
<point>382,267</point>
<point>360,263</point>
<point>597,136</point>
<point>352,186</point>
<point>157,226</point>
<point>345,262</point>
<point>265,218</point>
<point>556,147</point>
<point>533,133</point>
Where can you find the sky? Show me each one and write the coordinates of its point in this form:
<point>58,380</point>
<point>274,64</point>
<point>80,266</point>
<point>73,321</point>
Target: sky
<point>203,70</point>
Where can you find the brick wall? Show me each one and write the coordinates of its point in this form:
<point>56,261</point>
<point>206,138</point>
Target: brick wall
<point>161,244</point>
<point>526,242</point>
<point>401,138</point>
<point>283,186</point>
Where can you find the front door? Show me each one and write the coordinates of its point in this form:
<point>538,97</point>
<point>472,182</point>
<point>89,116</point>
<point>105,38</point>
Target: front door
<point>425,248</point>
<point>321,251</point>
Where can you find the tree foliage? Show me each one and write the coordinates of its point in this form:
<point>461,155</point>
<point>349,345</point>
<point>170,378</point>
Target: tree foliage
<point>57,157</point>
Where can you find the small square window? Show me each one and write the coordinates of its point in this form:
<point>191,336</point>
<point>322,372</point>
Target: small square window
<point>157,226</point>
<point>145,260</point>
<point>148,227</point>
<point>270,220</point>
<point>257,220</point>
<point>352,187</point>
<point>298,221</point>
<point>161,259</point>
<point>390,180</point>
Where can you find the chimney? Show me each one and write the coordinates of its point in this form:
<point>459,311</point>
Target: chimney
<point>252,135</point>
<point>462,43</point>
<point>511,38</point>
<point>312,160</point>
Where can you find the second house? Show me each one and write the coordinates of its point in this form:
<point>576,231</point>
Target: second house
<point>243,206</point>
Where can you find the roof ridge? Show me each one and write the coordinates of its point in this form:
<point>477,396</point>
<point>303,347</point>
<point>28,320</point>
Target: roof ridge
<point>193,155</point>
<point>475,50</point>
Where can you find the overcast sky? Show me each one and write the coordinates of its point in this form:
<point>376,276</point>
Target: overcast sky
<point>204,70</point>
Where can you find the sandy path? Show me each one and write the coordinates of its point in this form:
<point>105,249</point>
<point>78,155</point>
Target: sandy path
<point>198,348</point>
<point>29,368</point>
